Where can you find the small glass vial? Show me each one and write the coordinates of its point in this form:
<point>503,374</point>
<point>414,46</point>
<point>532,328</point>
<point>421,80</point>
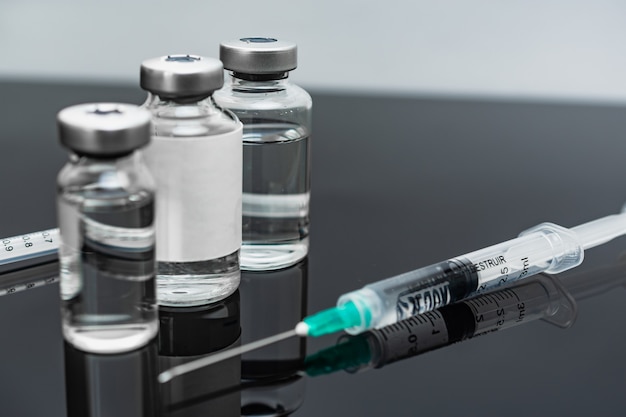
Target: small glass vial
<point>195,157</point>
<point>105,208</point>
<point>276,115</point>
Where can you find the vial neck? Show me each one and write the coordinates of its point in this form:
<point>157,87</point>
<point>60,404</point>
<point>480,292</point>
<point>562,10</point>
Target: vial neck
<point>161,100</point>
<point>259,82</point>
<point>260,77</point>
<point>125,158</point>
<point>181,107</point>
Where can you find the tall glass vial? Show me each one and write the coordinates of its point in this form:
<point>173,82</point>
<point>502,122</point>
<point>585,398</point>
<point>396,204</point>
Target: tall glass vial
<point>195,157</point>
<point>105,208</point>
<point>276,115</point>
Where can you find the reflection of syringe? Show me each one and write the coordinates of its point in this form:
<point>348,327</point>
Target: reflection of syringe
<point>543,297</point>
<point>545,248</point>
<point>26,279</point>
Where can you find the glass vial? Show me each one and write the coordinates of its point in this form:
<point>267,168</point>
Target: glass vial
<point>105,208</point>
<point>276,116</point>
<point>195,157</point>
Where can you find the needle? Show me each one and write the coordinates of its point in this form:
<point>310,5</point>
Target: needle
<point>218,357</point>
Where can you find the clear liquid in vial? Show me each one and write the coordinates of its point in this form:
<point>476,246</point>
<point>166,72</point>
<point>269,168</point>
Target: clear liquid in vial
<point>276,186</point>
<point>107,263</point>
<point>187,284</point>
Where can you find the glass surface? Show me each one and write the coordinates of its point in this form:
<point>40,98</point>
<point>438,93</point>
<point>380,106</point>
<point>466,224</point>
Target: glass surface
<point>400,183</point>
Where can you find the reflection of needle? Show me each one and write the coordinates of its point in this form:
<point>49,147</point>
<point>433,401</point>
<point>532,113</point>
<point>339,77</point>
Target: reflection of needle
<point>211,359</point>
<point>27,278</point>
<point>264,383</point>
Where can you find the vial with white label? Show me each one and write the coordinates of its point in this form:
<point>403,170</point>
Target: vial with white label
<point>105,208</point>
<point>195,157</point>
<point>276,117</point>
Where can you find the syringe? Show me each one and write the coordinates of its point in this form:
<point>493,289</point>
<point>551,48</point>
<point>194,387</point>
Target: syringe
<point>544,248</point>
<point>542,297</point>
<point>37,247</point>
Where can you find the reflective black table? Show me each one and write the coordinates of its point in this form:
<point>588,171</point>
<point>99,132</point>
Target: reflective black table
<point>398,183</point>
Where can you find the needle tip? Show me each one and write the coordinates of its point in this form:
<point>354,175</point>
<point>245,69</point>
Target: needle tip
<point>165,377</point>
<point>302,329</point>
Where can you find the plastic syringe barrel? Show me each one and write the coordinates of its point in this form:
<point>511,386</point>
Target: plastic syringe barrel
<point>29,249</point>
<point>545,248</point>
<point>416,292</point>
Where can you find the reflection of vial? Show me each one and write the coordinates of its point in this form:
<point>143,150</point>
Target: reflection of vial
<point>273,386</point>
<point>276,136</point>
<point>122,385</point>
<point>195,158</point>
<point>188,334</point>
<point>105,214</point>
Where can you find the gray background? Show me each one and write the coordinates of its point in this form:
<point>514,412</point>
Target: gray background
<point>561,49</point>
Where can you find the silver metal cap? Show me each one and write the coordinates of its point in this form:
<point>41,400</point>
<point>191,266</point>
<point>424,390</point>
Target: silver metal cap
<point>259,55</point>
<point>104,129</point>
<point>182,75</point>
